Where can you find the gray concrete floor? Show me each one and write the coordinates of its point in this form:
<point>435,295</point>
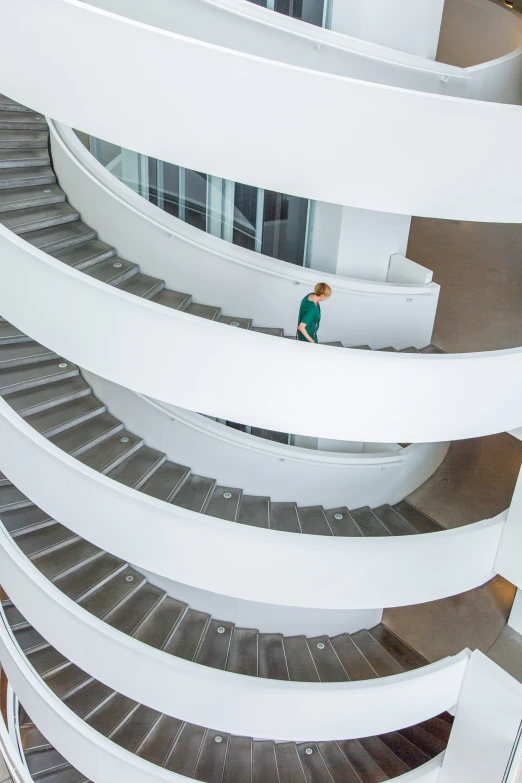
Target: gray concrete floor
<point>475,481</point>
<point>439,628</point>
<point>479,269</point>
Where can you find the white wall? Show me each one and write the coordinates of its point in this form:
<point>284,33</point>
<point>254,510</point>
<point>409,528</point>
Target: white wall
<point>409,25</point>
<point>487,719</point>
<point>430,160</point>
<point>515,616</point>
<point>306,571</point>
<point>477,31</point>
<point>367,240</point>
<point>325,231</point>
<point>268,618</point>
<point>265,289</point>
<point>261,467</point>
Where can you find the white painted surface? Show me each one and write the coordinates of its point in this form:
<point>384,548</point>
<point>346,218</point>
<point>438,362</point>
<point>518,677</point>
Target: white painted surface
<point>306,571</point>
<point>97,757</point>
<point>477,31</point>
<point>268,618</point>
<point>515,616</point>
<point>325,230</point>
<point>362,395</point>
<point>434,159</point>
<point>408,25</point>
<point>262,467</point>
<point>237,25</point>
<point>404,270</point>
<point>221,700</point>
<point>265,289</point>
<point>367,240</point>
<point>487,719</point>
<point>9,757</point>
<point>509,562</point>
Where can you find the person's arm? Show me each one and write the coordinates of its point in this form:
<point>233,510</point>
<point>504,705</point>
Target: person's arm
<point>302,328</point>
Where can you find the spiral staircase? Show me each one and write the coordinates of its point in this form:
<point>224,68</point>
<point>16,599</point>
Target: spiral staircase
<point>159,623</point>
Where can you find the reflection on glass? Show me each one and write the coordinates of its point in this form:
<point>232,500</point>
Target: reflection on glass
<point>260,220</point>
<point>285,220</point>
<point>311,11</point>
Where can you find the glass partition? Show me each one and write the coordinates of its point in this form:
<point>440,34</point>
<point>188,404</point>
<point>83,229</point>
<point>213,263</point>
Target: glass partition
<point>513,773</point>
<point>312,11</point>
<point>275,224</point>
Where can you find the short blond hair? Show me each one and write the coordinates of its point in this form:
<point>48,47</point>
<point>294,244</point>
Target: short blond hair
<point>322,289</point>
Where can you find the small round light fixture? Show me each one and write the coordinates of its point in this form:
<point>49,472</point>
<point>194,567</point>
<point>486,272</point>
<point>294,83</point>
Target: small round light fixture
<point>320,646</point>
<point>227,495</point>
<point>130,578</point>
<point>221,629</point>
<point>47,190</point>
<point>118,265</point>
<point>62,365</point>
<point>338,516</point>
<point>124,440</point>
<point>218,739</point>
<point>309,751</point>
<point>234,323</point>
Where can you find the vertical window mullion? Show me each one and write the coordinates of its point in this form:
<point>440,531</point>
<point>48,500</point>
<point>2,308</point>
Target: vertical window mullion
<point>259,219</point>
<point>182,191</point>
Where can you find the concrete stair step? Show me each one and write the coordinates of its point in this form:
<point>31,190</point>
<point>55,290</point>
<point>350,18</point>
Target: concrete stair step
<point>29,197</point>
<point>26,139</point>
<point>26,176</point>
<point>22,221</point>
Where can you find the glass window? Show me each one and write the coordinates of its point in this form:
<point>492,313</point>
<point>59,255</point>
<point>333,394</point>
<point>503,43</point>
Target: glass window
<point>311,11</point>
<point>195,199</point>
<point>245,216</point>
<point>285,223</point>
<point>171,189</point>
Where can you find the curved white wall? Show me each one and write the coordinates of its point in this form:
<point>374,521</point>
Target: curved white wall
<point>474,32</point>
<point>162,353</point>
<point>262,467</point>
<point>265,289</point>
<point>256,30</point>
<point>225,701</point>
<point>307,571</point>
<point>392,150</point>
<point>97,757</point>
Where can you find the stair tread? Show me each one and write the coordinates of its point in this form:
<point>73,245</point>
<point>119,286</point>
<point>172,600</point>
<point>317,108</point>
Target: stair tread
<point>264,763</point>
<point>364,765</point>
<point>185,641</point>
<point>88,575</point>
<point>112,450</point>
<point>288,763</point>
<point>135,470</point>
<point>215,644</point>
<point>135,728</point>
<point>60,236</point>
<point>24,158</point>
<point>390,764</point>
<point>112,271</point>
<point>29,195</point>
<point>283,516</point>
<point>37,374</point>
<point>141,285</point>
<point>299,660</point>
<point>29,400</point>
<point>402,652</point>
<point>174,299</point>
<point>341,522</point>
<point>211,758</point>
<point>156,746</point>
<point>224,503</point>
<point>129,615</point>
<point>337,763</point>
<point>354,663</point>
<point>195,493</point>
<point>186,749</point>
<point>313,764</point>
<point>23,518</point>
<point>273,331</point>
<point>242,656</point>
<point>393,521</point>
<point>55,563</point>
<point>62,416</point>
<point>88,698</point>
<point>113,592</point>
<point>420,521</point>
<point>109,715</point>
<point>272,662</point>
<point>204,311</point>
<point>328,665</point>
<point>255,510</point>
<point>12,354</point>
<point>238,766</point>
<point>26,176</point>
<point>85,254</point>
<point>158,626</point>
<point>81,437</point>
<point>11,498</point>
<point>25,220</point>
<point>380,660</point>
<point>13,138</point>
<point>35,541</point>
<point>238,323</point>
<point>165,481</point>
<point>313,521</point>
<point>368,523</point>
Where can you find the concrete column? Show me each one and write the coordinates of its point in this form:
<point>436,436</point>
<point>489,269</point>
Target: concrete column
<point>407,25</point>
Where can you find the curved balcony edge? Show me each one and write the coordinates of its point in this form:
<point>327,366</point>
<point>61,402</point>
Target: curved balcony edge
<point>264,467</point>
<point>430,162</point>
<point>223,700</point>
<point>160,352</point>
<point>266,289</point>
<point>349,573</point>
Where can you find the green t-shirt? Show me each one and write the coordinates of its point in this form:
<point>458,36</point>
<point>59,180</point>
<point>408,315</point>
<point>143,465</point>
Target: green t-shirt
<point>309,314</point>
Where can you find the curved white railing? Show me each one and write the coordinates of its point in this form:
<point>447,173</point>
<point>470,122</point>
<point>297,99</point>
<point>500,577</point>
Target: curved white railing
<point>360,312</point>
<point>94,755</point>
<point>163,353</point>
<point>216,555</point>
<point>391,149</point>
<point>9,754</point>
<point>225,701</point>
<point>262,467</point>
<point>250,28</point>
